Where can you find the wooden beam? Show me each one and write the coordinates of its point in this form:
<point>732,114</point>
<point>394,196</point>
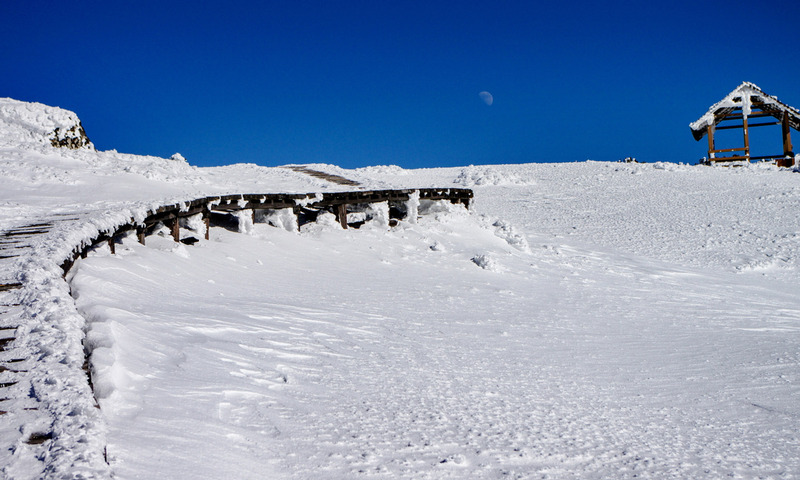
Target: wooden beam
<point>724,150</point>
<point>739,116</point>
<point>734,158</point>
<point>751,125</point>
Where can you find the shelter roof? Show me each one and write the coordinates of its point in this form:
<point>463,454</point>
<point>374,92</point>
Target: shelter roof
<point>745,96</point>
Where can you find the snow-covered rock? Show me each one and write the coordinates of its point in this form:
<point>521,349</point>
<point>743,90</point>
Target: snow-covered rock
<point>24,122</point>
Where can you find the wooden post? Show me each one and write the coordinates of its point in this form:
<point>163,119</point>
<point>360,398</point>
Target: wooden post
<point>711,146</point>
<point>207,221</point>
<point>341,215</point>
<point>111,246</point>
<point>296,211</point>
<point>746,138</point>
<point>176,229</point>
<point>140,233</point>
<point>788,151</point>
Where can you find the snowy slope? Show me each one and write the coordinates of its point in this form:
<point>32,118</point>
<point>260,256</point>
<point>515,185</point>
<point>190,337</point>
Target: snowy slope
<point>586,320</point>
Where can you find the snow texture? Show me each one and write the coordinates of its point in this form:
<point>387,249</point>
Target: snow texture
<point>584,320</point>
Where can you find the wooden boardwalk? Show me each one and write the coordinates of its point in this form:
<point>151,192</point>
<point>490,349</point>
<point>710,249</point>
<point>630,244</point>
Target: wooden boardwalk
<point>302,205</point>
<point>14,360</point>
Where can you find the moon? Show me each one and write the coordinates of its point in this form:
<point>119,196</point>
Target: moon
<point>487,97</point>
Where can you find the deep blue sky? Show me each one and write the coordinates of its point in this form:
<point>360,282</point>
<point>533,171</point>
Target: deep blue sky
<point>371,82</point>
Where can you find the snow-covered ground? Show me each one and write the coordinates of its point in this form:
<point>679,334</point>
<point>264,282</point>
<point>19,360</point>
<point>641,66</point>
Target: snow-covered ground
<point>585,320</point>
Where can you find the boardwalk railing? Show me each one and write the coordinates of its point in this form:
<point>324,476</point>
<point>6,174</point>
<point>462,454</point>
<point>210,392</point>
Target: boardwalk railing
<point>338,203</point>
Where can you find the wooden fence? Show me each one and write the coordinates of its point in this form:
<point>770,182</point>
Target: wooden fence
<point>338,203</point>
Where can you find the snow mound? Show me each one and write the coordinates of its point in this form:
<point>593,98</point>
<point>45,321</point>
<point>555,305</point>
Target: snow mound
<point>482,175</point>
<point>487,262</point>
<point>383,170</point>
<point>35,123</point>
<point>505,231</point>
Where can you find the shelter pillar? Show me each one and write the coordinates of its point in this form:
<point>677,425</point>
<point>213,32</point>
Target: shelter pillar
<point>711,145</point>
<point>746,135</point>
<point>788,151</point>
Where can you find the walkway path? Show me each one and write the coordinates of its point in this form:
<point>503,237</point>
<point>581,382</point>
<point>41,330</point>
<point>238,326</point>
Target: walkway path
<point>323,175</point>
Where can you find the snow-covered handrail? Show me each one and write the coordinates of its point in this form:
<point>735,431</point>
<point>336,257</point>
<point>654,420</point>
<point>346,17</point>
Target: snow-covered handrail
<point>336,201</point>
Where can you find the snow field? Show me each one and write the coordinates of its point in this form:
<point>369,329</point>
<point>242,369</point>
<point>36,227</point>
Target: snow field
<point>394,355</point>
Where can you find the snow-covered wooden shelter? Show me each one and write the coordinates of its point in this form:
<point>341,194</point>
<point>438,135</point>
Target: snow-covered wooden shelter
<point>743,104</point>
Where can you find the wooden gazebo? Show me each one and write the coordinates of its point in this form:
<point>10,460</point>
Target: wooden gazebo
<point>736,110</point>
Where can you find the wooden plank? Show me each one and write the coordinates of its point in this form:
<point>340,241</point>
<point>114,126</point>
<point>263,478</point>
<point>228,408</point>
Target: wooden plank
<point>730,159</point>
<point>4,287</point>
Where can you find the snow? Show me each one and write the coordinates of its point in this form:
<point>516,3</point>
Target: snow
<point>34,124</point>
<point>739,97</point>
<point>582,320</point>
